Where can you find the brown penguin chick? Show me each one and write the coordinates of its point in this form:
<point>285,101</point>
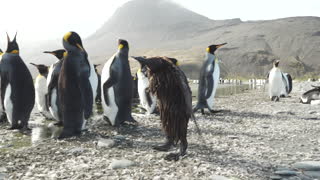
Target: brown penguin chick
<point>170,85</point>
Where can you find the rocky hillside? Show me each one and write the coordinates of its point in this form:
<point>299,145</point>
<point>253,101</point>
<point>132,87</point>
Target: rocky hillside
<point>160,27</point>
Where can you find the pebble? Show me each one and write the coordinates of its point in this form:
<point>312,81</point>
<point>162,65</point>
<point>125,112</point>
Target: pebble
<point>216,177</point>
<point>286,173</point>
<point>307,165</point>
<point>105,143</point>
<point>123,163</point>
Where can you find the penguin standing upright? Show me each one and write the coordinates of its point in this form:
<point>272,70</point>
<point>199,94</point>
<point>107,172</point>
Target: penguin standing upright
<point>170,85</point>
<point>98,96</point>
<point>52,85</point>
<point>17,89</point>
<point>74,88</point>
<point>147,100</point>
<point>287,80</point>
<point>276,82</point>
<point>117,86</point>
<point>208,80</point>
<point>42,90</point>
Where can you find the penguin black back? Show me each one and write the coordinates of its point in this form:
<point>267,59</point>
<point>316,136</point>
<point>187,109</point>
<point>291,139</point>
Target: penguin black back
<point>17,89</point>
<point>75,93</point>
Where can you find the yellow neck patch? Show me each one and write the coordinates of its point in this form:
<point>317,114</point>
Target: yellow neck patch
<point>14,51</point>
<point>1,53</point>
<point>66,36</point>
<point>216,60</point>
<point>139,70</point>
<point>208,49</point>
<point>120,46</point>
<point>39,76</point>
<point>177,64</point>
<point>65,54</point>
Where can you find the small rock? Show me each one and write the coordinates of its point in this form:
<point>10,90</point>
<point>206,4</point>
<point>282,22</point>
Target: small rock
<point>77,150</point>
<point>313,174</point>
<point>2,176</point>
<point>28,174</point>
<point>124,163</point>
<point>286,173</point>
<point>307,165</point>
<point>233,137</point>
<point>105,143</point>
<point>275,177</point>
<point>312,112</point>
<point>315,102</point>
<point>215,177</point>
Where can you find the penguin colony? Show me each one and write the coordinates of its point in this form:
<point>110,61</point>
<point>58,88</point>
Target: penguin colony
<point>67,90</point>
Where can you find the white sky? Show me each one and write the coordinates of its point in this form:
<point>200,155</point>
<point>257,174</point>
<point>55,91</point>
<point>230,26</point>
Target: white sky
<point>43,19</point>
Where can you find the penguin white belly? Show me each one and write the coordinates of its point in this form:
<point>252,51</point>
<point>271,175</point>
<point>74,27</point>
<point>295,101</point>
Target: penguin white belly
<point>216,77</point>
<point>41,91</point>
<point>93,81</point>
<point>54,108</point>
<point>112,109</point>
<point>143,84</point>
<point>276,85</point>
<point>8,103</point>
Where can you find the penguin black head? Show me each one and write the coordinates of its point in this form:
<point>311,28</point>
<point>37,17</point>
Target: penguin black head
<point>123,44</point>
<point>43,69</point>
<point>72,40</point>
<point>212,48</point>
<point>60,53</point>
<point>173,61</point>
<point>276,63</point>
<point>12,45</point>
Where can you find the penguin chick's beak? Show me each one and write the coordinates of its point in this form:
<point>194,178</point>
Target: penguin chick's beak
<point>220,45</point>
<point>80,47</point>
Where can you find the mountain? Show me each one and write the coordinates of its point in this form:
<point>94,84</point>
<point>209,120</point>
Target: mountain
<point>161,27</point>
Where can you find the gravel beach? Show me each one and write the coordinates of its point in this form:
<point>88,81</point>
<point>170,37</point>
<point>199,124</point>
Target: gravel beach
<point>250,139</point>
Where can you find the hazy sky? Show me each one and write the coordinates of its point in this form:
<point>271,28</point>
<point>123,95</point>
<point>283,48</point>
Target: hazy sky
<point>43,19</point>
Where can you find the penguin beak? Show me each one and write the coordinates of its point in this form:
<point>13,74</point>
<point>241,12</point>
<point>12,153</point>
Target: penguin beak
<point>220,45</point>
<point>34,64</point>
<point>80,47</point>
<point>49,52</point>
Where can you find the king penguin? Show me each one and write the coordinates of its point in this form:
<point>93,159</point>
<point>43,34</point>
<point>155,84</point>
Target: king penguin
<point>117,86</point>
<point>276,82</point>
<point>52,85</point>
<point>287,79</point>
<point>41,90</point>
<point>208,80</point>
<point>17,89</point>
<point>74,88</point>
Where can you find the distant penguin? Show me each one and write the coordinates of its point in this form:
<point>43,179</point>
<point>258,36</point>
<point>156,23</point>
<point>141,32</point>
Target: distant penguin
<point>311,95</point>
<point>276,82</point>
<point>116,86</point>
<point>208,80</point>
<point>74,88</point>
<point>170,85</point>
<point>42,90</point>
<point>286,78</point>
<point>52,85</point>
<point>98,96</point>
<point>17,89</point>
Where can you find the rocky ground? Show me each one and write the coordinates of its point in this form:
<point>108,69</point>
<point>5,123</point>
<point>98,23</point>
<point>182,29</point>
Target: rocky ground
<point>252,138</point>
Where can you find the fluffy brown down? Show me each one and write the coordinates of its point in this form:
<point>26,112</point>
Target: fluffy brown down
<point>174,98</point>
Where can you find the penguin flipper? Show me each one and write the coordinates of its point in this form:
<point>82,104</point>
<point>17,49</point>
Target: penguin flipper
<point>106,86</point>
<point>87,97</point>
<point>4,84</point>
<point>149,100</point>
<point>210,83</point>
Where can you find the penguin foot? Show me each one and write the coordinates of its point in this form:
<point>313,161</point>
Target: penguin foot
<point>202,111</point>
<point>65,134</point>
<point>215,111</point>
<point>172,157</point>
<point>59,124</point>
<point>165,147</point>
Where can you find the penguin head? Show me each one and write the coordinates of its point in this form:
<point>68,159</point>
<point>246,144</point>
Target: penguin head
<point>43,69</point>
<point>276,63</point>
<point>123,44</point>
<point>212,48</point>
<point>72,41</point>
<point>173,61</point>
<point>13,47</point>
<point>154,64</point>
<point>60,53</point>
